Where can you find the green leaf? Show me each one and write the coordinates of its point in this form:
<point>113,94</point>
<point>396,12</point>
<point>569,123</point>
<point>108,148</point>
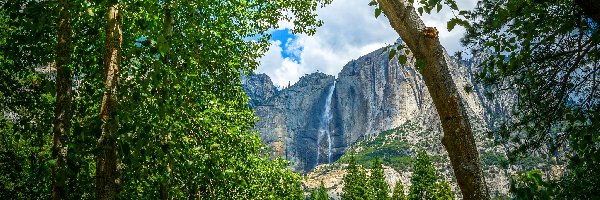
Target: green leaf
<point>50,164</point>
<point>392,54</point>
<point>439,7</point>
<point>420,64</point>
<point>399,47</point>
<point>452,4</point>
<point>456,21</point>
<point>377,12</point>
<point>373,3</point>
<point>402,59</point>
<point>451,24</point>
<point>420,9</point>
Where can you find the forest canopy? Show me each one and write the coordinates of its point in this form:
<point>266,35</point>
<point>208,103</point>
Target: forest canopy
<point>156,97</point>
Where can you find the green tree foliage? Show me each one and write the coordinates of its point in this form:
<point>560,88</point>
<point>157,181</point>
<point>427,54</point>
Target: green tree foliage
<point>426,184</point>
<point>320,193</point>
<point>548,52</point>
<point>530,185</point>
<point>423,179</point>
<point>399,192</point>
<point>355,182</point>
<point>443,191</point>
<point>26,99</point>
<point>184,123</point>
<point>377,183</point>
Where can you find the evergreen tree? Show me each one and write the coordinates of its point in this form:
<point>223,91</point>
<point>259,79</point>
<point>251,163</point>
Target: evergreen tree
<point>313,194</point>
<point>443,191</point>
<point>355,182</point>
<point>364,191</point>
<point>426,184</point>
<point>321,193</point>
<point>399,192</point>
<point>379,187</point>
<point>423,179</point>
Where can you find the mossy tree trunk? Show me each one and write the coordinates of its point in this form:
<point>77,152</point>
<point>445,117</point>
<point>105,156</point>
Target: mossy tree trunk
<point>62,111</point>
<point>108,176</point>
<point>168,20</point>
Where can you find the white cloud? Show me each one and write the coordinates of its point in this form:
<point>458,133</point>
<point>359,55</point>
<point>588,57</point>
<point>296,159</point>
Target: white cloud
<point>282,71</point>
<point>350,30</point>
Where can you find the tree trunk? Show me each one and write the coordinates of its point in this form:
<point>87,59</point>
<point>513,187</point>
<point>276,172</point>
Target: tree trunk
<point>167,33</point>
<point>458,138</point>
<point>108,177</point>
<point>62,112</point>
<point>591,8</point>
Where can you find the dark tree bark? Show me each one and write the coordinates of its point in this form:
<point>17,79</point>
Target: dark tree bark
<point>591,8</point>
<point>168,19</point>
<point>62,111</point>
<point>458,138</point>
<point>108,176</point>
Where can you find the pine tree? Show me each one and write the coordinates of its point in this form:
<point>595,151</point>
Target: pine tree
<point>355,182</point>
<point>379,187</point>
<point>399,192</point>
<point>313,194</point>
<point>443,191</point>
<point>321,193</point>
<point>423,179</point>
<point>363,190</point>
<point>426,184</point>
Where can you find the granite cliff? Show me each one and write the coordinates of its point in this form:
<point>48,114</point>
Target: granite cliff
<point>376,107</point>
<point>316,120</point>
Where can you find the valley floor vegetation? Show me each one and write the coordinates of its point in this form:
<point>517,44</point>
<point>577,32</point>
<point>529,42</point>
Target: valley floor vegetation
<point>137,99</point>
<point>425,182</point>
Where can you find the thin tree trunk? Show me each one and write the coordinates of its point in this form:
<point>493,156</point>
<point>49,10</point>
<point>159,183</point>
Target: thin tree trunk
<point>591,8</point>
<point>458,138</point>
<point>108,176</point>
<point>62,112</point>
<point>169,5</point>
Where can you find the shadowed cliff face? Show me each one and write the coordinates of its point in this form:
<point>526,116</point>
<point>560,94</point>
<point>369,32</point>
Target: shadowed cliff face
<point>371,94</point>
<point>292,120</point>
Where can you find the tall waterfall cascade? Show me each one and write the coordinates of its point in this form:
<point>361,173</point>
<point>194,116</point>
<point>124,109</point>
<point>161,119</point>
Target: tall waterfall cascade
<point>324,129</point>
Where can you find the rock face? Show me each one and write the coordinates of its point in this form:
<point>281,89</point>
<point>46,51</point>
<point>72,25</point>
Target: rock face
<point>293,121</point>
<point>259,88</point>
<point>315,120</point>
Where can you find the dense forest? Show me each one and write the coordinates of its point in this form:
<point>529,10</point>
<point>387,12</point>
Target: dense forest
<point>132,99</point>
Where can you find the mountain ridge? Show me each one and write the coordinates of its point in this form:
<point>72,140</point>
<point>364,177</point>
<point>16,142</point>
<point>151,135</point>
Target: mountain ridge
<point>371,94</point>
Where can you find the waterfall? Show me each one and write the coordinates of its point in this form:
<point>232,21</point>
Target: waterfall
<point>324,130</point>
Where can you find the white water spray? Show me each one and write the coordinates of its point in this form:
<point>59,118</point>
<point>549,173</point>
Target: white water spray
<point>324,125</point>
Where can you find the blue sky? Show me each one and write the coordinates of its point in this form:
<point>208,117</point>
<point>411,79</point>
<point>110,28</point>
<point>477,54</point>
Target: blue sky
<point>350,30</point>
<point>285,36</point>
